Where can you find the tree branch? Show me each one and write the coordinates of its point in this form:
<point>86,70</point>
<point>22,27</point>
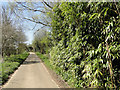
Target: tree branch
<point>47,4</point>
<point>35,10</point>
<point>32,20</point>
<point>37,22</point>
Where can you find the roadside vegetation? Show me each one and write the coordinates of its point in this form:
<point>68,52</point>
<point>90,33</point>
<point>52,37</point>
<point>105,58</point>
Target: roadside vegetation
<point>45,59</point>
<point>10,64</point>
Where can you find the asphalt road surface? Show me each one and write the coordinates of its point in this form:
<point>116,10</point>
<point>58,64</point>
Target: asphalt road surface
<point>31,74</point>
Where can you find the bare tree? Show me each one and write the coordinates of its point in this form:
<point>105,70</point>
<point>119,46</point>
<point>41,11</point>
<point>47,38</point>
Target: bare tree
<point>11,35</point>
<point>38,11</point>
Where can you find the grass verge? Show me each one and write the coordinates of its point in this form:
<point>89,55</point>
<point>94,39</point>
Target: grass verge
<point>45,59</point>
<point>10,64</point>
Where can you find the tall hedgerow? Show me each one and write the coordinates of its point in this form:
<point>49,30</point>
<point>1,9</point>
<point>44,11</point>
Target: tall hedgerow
<point>86,38</point>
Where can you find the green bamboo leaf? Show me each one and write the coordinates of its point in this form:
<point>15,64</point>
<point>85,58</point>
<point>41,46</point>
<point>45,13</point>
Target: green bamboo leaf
<point>105,13</point>
<point>93,16</point>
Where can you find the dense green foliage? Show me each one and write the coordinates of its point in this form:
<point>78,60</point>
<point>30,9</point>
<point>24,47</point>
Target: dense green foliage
<point>86,38</point>
<point>10,64</point>
<point>42,41</point>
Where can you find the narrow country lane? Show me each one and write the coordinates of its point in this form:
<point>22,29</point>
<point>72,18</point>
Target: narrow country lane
<point>31,74</point>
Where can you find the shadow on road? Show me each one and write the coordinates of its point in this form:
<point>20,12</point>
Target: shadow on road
<point>30,62</point>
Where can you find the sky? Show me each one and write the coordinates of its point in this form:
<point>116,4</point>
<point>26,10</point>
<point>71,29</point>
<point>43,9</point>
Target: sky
<point>29,31</point>
<point>30,37</point>
<point>29,27</point>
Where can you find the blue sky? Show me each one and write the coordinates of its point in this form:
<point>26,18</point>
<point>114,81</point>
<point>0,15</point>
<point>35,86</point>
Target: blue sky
<point>28,26</point>
<point>29,31</point>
